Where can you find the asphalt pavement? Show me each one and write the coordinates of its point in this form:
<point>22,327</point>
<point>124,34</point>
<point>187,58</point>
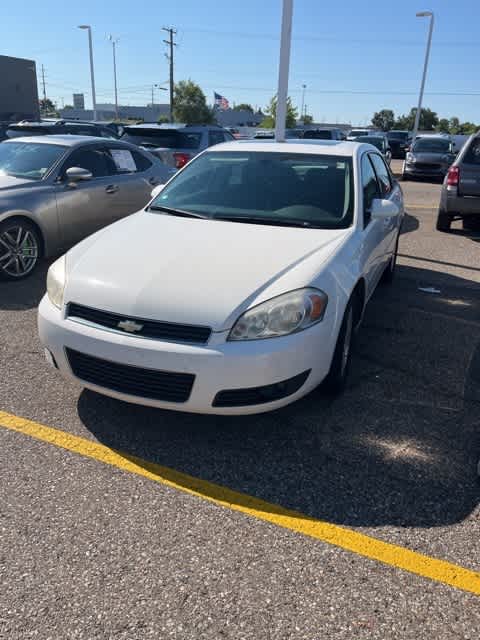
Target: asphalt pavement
<point>91,550</point>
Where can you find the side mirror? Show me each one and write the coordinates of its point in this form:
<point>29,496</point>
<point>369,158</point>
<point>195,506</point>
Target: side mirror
<point>383,209</point>
<point>156,190</point>
<point>77,174</point>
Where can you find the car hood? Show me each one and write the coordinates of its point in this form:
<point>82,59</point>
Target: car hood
<point>10,182</point>
<point>193,271</point>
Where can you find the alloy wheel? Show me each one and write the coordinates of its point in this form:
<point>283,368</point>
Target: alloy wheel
<point>19,251</point>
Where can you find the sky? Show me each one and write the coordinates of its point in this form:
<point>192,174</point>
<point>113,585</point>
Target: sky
<point>354,57</point>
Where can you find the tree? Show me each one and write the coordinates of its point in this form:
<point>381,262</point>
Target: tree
<point>271,111</point>
<point>190,105</point>
<point>468,128</point>
<point>68,106</point>
<point>428,120</point>
<point>307,119</point>
<point>48,108</point>
<point>454,125</point>
<point>384,119</point>
<point>443,125</point>
<point>163,119</point>
<point>243,107</point>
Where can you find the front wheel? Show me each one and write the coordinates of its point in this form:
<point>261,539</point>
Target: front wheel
<point>20,247</point>
<point>444,220</point>
<point>389,273</point>
<point>337,377</point>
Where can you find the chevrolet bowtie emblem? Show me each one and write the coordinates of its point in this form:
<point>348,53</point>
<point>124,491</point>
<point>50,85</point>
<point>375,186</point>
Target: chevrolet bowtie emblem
<point>130,325</point>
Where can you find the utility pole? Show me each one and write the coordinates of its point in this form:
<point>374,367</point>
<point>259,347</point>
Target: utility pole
<point>303,110</point>
<point>43,83</point>
<point>283,69</point>
<point>114,44</point>
<point>171,32</point>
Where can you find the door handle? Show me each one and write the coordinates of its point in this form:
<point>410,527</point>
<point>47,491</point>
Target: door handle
<point>112,188</point>
<point>153,181</point>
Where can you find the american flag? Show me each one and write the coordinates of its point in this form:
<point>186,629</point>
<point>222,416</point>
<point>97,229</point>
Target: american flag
<point>221,102</point>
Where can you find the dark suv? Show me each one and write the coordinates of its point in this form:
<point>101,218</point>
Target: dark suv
<point>62,127</point>
<point>399,142</point>
<point>460,198</point>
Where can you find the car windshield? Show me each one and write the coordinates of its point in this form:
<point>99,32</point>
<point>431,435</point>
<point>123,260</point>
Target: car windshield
<point>354,133</point>
<point>170,138</point>
<point>287,189</point>
<point>376,141</point>
<point>398,135</point>
<point>30,160</point>
<point>424,145</point>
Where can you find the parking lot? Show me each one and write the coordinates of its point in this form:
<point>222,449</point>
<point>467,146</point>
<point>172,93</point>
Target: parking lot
<point>132,523</point>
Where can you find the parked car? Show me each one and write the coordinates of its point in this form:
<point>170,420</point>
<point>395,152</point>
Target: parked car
<point>322,134</point>
<point>460,198</point>
<point>55,190</point>
<point>429,157</point>
<point>355,133</point>
<point>175,144</point>
<point>399,142</point>
<point>379,141</point>
<point>264,134</point>
<point>238,288</point>
<point>59,127</point>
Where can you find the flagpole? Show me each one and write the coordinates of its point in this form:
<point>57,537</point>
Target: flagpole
<point>283,70</point>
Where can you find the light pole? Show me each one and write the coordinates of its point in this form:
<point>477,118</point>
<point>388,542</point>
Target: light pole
<point>156,86</point>
<point>114,43</point>
<point>283,69</point>
<point>302,115</point>
<point>92,76</point>
<point>423,14</point>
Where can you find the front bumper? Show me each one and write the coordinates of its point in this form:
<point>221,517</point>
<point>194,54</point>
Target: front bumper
<point>432,172</point>
<point>218,366</point>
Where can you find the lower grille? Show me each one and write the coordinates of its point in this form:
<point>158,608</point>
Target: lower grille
<point>260,395</point>
<point>423,166</point>
<point>133,381</point>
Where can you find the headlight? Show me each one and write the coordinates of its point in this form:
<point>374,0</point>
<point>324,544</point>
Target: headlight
<point>56,282</point>
<point>410,157</point>
<point>280,316</point>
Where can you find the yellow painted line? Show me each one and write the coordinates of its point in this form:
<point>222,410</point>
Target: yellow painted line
<point>389,554</point>
<point>434,205</point>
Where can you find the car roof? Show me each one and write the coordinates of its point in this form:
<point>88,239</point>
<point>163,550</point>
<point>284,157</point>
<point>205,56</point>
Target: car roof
<point>171,125</point>
<point>65,140</point>
<point>319,147</point>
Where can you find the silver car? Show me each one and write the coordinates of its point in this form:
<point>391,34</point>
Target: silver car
<point>56,190</point>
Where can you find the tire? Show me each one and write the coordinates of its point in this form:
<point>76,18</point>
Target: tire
<point>20,248</point>
<point>336,379</point>
<point>444,220</point>
<point>389,274</point>
<point>471,223</point>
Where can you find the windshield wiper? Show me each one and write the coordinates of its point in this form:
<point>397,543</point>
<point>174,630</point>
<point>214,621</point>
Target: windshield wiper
<point>176,212</point>
<point>278,222</point>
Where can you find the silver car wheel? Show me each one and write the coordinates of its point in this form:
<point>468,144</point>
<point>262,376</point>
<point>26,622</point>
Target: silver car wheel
<point>19,251</point>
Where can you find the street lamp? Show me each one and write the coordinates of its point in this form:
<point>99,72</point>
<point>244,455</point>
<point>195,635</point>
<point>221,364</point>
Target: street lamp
<point>423,14</point>
<point>302,115</point>
<point>92,76</point>
<point>114,43</point>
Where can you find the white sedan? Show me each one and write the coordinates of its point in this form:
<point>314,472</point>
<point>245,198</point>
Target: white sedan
<point>238,288</point>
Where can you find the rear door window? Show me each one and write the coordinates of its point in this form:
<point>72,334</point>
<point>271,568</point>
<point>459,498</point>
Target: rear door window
<point>472,156</point>
<point>167,138</point>
<point>128,160</point>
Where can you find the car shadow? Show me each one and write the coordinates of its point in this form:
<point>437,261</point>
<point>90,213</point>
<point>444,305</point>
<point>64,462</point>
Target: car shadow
<point>399,447</point>
<point>27,293</point>
<point>410,223</point>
